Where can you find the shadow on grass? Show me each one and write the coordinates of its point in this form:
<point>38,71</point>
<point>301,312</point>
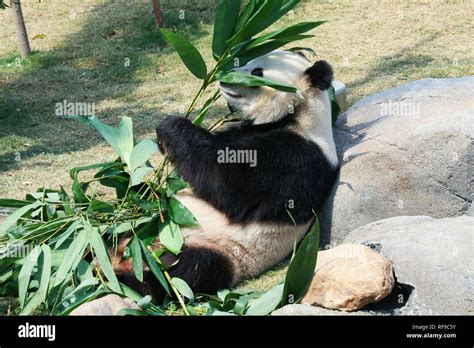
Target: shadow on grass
<point>103,61</point>
<point>401,63</point>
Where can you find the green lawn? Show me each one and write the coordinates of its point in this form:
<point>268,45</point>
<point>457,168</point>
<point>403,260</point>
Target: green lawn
<point>87,45</point>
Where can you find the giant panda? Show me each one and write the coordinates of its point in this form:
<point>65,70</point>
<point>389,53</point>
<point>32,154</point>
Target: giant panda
<point>251,214</point>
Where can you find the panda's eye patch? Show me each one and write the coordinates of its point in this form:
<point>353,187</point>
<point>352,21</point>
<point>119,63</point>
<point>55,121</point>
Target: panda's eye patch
<point>257,72</point>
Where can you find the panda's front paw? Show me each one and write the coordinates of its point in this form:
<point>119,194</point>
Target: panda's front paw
<point>169,130</point>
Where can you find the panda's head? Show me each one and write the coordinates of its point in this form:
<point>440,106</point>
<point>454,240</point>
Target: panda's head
<point>265,104</point>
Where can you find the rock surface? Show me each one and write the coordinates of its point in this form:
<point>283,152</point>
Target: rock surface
<point>405,151</point>
<point>107,305</point>
<point>348,277</point>
<point>303,309</point>
<point>434,256</point>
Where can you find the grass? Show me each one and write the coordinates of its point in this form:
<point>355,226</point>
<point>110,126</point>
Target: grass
<point>87,43</point>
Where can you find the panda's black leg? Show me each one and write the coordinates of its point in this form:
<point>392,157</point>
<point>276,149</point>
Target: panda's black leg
<point>203,269</point>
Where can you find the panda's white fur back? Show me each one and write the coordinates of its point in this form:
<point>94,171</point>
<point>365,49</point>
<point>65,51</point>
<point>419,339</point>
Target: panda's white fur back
<point>316,125</point>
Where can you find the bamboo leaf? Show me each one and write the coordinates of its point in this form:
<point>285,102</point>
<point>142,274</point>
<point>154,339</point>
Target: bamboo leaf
<point>79,193</point>
<point>155,269</point>
<point>249,10</point>
<point>84,270</point>
<point>130,293</point>
<point>119,138</point>
<point>16,215</point>
<point>97,243</point>
<point>75,171</point>
<point>240,78</point>
<point>176,184</point>
<point>284,33</point>
<point>242,303</point>
<point>265,14</point>
<point>139,174</point>
<point>25,274</point>
<point>97,206</point>
<point>172,238</point>
<point>13,203</point>
<point>183,288</point>
<point>222,294</point>
<point>145,302</point>
<point>119,180</point>
<point>335,109</point>
<point>227,14</point>
<point>266,303</point>
<point>301,270</point>
<point>129,311</point>
<point>132,224</point>
<point>142,152</point>
<point>84,284</point>
<point>207,105</point>
<point>188,53</point>
<point>84,292</point>
<point>247,55</point>
<point>180,214</point>
<point>136,253</point>
<point>44,267</point>
<point>66,234</point>
<point>73,255</point>
<point>79,189</point>
<point>110,168</point>
<point>32,304</point>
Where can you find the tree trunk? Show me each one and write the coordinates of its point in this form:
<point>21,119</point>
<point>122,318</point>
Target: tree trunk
<point>157,10</point>
<point>21,29</point>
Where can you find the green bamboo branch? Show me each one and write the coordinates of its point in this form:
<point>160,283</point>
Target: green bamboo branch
<point>168,278</point>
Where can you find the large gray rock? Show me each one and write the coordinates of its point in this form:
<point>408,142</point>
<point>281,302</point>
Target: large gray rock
<point>435,257</point>
<point>405,151</point>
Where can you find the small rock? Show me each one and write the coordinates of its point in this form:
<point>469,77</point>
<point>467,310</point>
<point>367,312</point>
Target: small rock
<point>348,277</point>
<point>107,305</point>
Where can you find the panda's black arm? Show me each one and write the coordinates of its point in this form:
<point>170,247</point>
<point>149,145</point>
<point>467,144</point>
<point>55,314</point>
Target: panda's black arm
<point>190,148</point>
<point>193,151</point>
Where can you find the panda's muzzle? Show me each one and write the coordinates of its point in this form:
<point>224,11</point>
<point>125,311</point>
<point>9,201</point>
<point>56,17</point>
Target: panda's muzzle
<point>227,90</point>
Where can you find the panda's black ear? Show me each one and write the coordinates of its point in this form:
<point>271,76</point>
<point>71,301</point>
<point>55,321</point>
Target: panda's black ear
<point>320,75</point>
